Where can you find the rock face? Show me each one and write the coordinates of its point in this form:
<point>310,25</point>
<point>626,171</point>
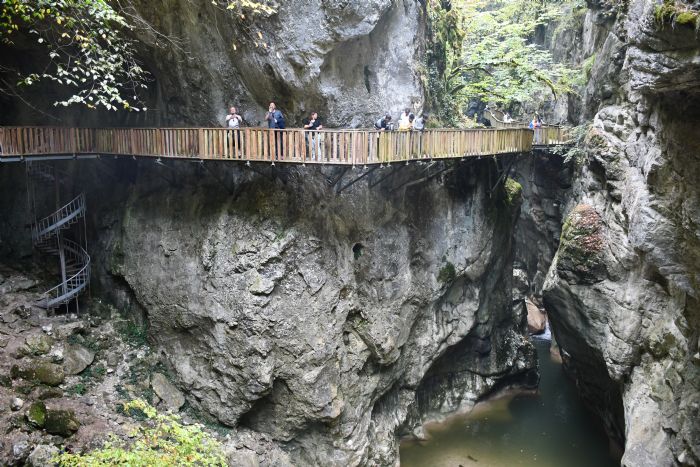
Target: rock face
<point>327,322</point>
<point>623,291</point>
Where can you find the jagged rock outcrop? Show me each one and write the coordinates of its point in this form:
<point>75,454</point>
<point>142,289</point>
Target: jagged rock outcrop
<point>317,319</point>
<point>623,291</point>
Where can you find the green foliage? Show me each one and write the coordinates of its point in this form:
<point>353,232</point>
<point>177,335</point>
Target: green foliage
<point>496,60</point>
<point>674,13</point>
<point>133,333</point>
<point>588,66</point>
<point>85,49</point>
<point>575,152</point>
<point>447,273</point>
<point>79,389</point>
<point>161,441</point>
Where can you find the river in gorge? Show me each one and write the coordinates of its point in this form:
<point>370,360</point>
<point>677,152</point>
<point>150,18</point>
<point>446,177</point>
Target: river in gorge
<point>545,428</point>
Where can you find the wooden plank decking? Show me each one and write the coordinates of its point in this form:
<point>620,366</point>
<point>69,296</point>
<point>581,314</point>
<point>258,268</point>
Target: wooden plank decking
<point>337,147</point>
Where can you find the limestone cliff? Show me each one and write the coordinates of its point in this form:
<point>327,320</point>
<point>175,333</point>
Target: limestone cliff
<point>623,289</point>
<point>315,318</point>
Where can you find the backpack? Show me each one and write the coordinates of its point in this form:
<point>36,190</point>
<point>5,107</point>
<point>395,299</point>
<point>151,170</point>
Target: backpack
<point>378,124</point>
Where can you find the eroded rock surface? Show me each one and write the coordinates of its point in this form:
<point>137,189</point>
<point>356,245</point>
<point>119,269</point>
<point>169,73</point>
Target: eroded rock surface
<point>624,287</point>
<point>313,318</point>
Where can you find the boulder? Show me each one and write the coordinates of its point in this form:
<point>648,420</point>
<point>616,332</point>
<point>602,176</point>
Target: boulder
<point>536,319</point>
<point>39,372</point>
<point>36,344</point>
<point>41,456</point>
<point>172,397</point>
<point>76,358</point>
<point>61,422</point>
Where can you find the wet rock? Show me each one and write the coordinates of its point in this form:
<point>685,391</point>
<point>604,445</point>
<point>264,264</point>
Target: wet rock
<point>42,455</point>
<point>167,391</point>
<point>39,372</point>
<point>76,358</point>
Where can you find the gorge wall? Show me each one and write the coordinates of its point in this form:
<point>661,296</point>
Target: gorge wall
<point>311,317</point>
<point>623,289</point>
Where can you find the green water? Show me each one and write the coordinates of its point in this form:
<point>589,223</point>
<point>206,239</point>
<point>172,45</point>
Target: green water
<point>544,428</point>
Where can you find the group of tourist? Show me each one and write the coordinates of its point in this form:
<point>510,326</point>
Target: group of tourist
<point>315,141</point>
<point>407,122</point>
<point>275,120</point>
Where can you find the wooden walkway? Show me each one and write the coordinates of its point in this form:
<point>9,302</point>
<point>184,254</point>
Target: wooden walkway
<point>335,147</point>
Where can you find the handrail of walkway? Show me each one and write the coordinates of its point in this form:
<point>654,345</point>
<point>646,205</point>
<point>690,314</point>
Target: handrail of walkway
<point>340,147</point>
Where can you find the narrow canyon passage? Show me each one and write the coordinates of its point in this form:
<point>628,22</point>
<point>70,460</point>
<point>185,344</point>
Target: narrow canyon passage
<point>548,427</point>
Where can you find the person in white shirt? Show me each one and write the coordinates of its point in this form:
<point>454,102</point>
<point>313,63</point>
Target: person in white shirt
<point>233,120</point>
<point>419,123</point>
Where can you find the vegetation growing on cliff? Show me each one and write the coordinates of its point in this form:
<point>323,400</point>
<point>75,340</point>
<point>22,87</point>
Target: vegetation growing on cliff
<point>676,13</point>
<point>162,441</point>
<point>84,49</point>
<point>489,54</point>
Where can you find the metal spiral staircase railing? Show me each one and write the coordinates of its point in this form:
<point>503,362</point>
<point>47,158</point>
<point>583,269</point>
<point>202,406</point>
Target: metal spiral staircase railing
<point>50,235</point>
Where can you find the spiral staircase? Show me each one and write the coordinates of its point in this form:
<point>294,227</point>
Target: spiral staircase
<point>55,235</point>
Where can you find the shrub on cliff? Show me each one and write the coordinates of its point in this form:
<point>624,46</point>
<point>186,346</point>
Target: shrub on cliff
<point>162,441</point>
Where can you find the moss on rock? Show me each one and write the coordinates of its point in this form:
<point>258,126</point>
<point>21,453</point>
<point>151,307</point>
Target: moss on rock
<point>39,372</point>
<point>37,414</point>
<point>670,12</point>
<point>513,190</point>
<point>581,245</point>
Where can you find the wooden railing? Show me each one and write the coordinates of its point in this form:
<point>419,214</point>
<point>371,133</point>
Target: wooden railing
<point>344,147</point>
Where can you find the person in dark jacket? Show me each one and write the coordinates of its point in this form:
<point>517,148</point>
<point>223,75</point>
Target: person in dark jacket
<point>275,121</point>
<point>313,139</point>
<point>383,123</point>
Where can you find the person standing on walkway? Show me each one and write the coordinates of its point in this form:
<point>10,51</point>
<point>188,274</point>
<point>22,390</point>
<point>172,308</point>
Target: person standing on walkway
<point>233,120</point>
<point>419,126</point>
<point>313,139</point>
<point>275,121</point>
<point>419,123</point>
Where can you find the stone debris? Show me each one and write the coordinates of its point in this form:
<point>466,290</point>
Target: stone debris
<point>16,404</point>
<point>76,358</point>
<point>172,397</point>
